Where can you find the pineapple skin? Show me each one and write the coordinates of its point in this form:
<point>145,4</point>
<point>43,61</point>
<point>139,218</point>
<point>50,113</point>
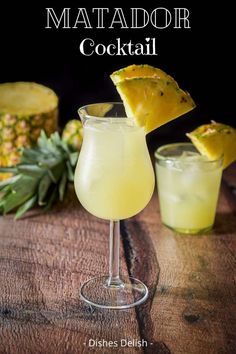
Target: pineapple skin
<point>23,131</point>
<point>73,134</point>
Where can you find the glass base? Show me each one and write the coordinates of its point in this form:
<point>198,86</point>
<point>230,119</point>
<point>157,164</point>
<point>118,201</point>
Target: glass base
<point>190,231</point>
<point>129,293</point>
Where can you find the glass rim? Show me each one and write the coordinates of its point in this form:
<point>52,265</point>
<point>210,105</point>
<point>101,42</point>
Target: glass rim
<point>160,157</point>
<point>84,115</point>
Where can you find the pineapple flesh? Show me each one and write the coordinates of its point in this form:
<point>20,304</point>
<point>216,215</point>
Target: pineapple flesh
<point>153,102</point>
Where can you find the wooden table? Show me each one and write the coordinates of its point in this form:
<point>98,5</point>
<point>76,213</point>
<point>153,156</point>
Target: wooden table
<point>44,258</point>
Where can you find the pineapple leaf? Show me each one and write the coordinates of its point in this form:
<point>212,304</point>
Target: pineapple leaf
<point>31,170</point>
<point>58,170</point>
<point>43,188</point>
<point>42,140</point>
<point>70,173</point>
<point>7,189</point>
<point>13,199</point>
<point>9,181</point>
<point>8,169</point>
<point>40,177</point>
<point>26,206</point>
<point>29,156</point>
<point>64,146</point>
<point>62,186</point>
<point>55,138</point>
<point>53,148</point>
<point>73,158</point>
<point>48,163</point>
<point>51,199</point>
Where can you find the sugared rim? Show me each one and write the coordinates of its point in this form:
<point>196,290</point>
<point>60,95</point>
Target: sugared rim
<point>158,156</point>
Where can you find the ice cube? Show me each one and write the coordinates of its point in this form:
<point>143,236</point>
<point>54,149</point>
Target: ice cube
<point>189,156</point>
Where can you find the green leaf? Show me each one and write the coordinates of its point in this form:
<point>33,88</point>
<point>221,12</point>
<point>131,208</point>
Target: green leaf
<point>4,192</point>
<point>48,162</point>
<point>27,190</point>
<point>26,206</point>
<point>7,188</point>
<point>51,143</point>
<point>51,199</point>
<point>29,156</point>
<point>41,176</point>
<point>65,147</point>
<point>25,182</point>
<point>8,169</point>
<point>70,172</point>
<point>52,148</point>
<point>57,171</point>
<point>62,186</point>
<point>32,170</point>
<point>42,140</point>
<point>13,200</point>
<point>55,138</point>
<point>9,181</point>
<point>73,158</point>
<point>43,188</point>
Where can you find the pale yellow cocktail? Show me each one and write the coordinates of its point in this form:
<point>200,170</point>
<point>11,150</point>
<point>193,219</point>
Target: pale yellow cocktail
<point>114,177</point>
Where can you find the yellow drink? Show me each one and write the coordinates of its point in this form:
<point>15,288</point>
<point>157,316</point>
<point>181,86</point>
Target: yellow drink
<point>114,177</point>
<point>188,187</point>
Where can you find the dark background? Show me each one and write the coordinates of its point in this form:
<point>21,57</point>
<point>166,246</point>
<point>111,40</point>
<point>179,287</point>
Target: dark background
<point>200,58</point>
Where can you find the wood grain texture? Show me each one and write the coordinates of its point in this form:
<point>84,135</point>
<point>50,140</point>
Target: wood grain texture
<point>44,258</point>
<point>43,261</point>
<point>194,307</point>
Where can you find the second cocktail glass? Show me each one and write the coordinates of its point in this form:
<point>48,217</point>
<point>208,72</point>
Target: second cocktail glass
<point>188,187</point>
<point>114,180</point>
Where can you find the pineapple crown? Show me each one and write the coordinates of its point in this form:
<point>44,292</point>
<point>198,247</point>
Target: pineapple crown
<point>40,178</point>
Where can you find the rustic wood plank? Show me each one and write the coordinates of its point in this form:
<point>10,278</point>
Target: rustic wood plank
<point>194,307</point>
<point>44,258</point>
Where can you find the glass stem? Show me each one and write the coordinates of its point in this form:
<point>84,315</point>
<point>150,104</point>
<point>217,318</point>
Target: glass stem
<point>114,258</point>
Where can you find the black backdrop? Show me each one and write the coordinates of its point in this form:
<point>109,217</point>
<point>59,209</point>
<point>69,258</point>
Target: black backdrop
<point>200,58</point>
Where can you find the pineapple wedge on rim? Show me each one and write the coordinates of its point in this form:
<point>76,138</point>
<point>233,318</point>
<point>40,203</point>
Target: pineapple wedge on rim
<point>153,102</point>
<point>143,70</point>
<point>215,140</point>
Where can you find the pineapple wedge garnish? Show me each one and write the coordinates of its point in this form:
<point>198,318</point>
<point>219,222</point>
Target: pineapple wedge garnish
<point>150,96</point>
<point>153,102</point>
<point>215,140</point>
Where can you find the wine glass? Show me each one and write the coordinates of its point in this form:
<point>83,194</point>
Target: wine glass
<point>114,180</point>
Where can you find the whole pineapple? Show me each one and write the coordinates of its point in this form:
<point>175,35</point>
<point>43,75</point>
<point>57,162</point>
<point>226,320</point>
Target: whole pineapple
<point>73,134</point>
<point>25,109</point>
